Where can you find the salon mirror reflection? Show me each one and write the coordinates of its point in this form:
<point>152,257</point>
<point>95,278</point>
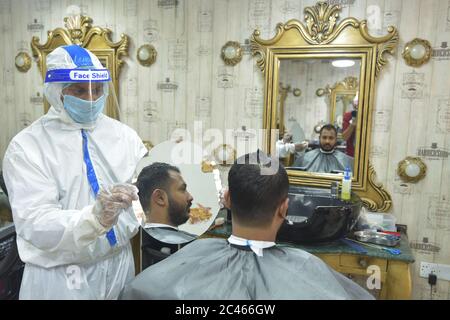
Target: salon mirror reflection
<point>318,128</point>
<point>178,199</point>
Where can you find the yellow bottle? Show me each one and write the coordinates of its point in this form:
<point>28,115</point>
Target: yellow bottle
<point>346,191</point>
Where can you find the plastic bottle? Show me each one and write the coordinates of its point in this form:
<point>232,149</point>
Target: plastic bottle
<point>346,185</point>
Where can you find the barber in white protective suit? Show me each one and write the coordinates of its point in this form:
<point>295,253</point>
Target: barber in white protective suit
<point>67,176</point>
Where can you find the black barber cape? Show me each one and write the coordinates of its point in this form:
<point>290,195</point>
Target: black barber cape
<point>213,269</point>
<point>159,243</point>
<point>325,162</point>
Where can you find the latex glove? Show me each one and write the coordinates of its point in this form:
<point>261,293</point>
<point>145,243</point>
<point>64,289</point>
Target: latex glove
<point>287,138</point>
<point>301,146</point>
<point>222,203</point>
<point>111,201</point>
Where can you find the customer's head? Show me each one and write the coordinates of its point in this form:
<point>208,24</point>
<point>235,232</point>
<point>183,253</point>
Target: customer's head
<point>328,137</point>
<point>163,194</point>
<point>257,199</point>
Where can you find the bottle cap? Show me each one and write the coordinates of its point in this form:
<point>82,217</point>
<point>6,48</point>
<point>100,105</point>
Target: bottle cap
<point>347,174</point>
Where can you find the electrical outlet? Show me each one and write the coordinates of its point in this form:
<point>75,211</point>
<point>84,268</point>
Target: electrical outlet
<point>442,271</point>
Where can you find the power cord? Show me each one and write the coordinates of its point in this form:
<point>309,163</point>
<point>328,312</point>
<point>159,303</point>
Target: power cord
<point>432,279</point>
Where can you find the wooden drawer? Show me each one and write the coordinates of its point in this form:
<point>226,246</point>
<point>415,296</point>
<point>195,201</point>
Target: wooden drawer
<point>362,262</point>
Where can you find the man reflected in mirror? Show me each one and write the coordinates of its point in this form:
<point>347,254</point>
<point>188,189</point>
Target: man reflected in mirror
<point>166,203</point>
<point>325,159</point>
<point>286,147</point>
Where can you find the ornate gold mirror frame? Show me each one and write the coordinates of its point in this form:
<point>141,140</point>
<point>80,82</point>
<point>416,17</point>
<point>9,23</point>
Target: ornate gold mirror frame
<point>323,37</point>
<point>348,88</point>
<point>79,31</point>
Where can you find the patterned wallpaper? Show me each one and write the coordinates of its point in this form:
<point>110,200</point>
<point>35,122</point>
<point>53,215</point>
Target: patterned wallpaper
<point>189,83</point>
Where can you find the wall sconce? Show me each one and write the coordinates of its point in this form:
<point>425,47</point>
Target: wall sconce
<point>297,92</point>
<point>323,91</point>
<point>417,52</point>
<point>412,169</point>
<point>23,61</point>
<point>146,55</point>
<point>231,53</point>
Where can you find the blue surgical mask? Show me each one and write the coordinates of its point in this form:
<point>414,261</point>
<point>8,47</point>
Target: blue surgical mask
<point>83,111</point>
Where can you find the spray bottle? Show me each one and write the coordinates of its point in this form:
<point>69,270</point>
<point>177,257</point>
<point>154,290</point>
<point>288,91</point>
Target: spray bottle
<point>346,185</point>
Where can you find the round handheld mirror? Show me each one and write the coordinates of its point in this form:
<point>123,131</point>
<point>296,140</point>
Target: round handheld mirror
<point>178,196</point>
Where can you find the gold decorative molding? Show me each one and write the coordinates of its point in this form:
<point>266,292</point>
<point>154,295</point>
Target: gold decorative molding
<point>78,27</point>
<point>258,51</point>
<point>386,44</point>
<point>79,30</point>
<point>321,29</point>
<point>349,83</point>
<point>321,20</point>
<point>375,198</point>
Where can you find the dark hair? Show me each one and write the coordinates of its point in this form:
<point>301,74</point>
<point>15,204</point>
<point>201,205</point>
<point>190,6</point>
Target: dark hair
<point>152,177</point>
<point>329,127</point>
<point>255,196</point>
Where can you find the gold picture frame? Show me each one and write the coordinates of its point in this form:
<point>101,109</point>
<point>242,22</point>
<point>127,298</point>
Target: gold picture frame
<point>417,52</point>
<point>412,169</point>
<point>79,30</point>
<point>323,37</point>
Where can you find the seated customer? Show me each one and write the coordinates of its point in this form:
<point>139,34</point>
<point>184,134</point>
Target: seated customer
<point>326,159</point>
<point>249,264</point>
<point>166,202</point>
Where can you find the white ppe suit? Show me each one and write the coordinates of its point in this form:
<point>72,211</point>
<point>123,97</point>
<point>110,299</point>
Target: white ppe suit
<point>63,245</point>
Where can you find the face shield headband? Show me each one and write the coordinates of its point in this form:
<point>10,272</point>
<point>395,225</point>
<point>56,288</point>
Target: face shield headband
<point>77,75</point>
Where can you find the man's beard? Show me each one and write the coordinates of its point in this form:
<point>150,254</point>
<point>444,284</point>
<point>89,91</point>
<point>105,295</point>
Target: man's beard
<point>327,147</point>
<point>178,214</point>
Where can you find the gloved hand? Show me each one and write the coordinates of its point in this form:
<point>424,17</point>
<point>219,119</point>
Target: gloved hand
<point>301,146</point>
<point>222,201</point>
<point>354,114</point>
<point>287,138</point>
<point>111,201</point>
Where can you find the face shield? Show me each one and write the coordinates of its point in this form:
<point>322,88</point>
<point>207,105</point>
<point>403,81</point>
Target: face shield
<point>77,83</point>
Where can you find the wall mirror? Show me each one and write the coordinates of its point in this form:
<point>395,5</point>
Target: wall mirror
<point>79,31</point>
<point>332,62</point>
